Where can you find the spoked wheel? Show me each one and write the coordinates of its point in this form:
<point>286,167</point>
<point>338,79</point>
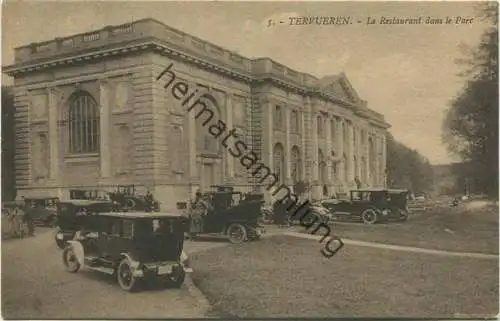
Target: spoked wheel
<point>237,233</point>
<point>126,279</point>
<point>369,216</point>
<point>176,278</point>
<point>70,260</point>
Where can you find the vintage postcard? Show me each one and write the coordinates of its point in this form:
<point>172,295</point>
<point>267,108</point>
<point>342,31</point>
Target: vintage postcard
<point>249,160</point>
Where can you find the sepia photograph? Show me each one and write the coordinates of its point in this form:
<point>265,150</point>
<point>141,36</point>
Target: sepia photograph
<point>249,159</point>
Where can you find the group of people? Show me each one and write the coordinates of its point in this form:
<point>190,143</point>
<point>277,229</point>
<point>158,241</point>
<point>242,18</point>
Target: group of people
<point>18,219</point>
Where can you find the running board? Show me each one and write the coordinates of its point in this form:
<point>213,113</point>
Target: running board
<point>109,271</point>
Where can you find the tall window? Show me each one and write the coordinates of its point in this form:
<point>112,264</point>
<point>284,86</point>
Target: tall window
<point>279,162</point>
<point>83,124</point>
<point>296,169</point>
<point>319,126</point>
<point>278,117</point>
<point>294,121</point>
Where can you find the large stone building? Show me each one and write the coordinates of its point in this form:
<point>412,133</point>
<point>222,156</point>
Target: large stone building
<point>91,114</point>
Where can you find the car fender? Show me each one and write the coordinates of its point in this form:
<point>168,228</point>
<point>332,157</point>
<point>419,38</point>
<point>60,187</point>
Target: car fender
<point>133,263</point>
<point>78,250</point>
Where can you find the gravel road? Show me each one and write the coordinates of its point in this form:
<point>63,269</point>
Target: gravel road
<point>36,285</point>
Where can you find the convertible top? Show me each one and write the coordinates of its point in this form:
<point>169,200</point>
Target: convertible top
<point>151,215</point>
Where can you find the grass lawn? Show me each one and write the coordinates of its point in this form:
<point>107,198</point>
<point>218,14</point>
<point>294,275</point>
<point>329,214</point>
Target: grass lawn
<point>468,230</point>
<point>284,276</point>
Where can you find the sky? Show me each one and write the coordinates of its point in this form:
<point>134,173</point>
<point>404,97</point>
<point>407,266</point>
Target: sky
<point>406,72</point>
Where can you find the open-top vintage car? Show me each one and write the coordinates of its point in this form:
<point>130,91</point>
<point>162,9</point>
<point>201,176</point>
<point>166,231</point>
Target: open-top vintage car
<point>133,246</point>
<point>72,216</point>
<point>229,213</point>
<point>43,210</point>
<point>370,206</point>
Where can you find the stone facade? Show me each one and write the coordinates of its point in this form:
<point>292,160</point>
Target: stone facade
<point>91,114</point>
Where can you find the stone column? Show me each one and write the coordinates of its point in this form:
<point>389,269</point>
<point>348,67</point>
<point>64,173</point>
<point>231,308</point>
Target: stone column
<point>328,151</point>
<point>303,149</point>
<point>350,156</point>
<point>314,152</point>
<point>53,110</point>
<point>384,160</point>
<point>377,156</point>
<point>229,122</point>
<point>367,158</point>
<point>359,153</point>
<point>267,141</point>
<point>192,164</point>
<point>105,126</point>
<point>288,146</point>
<point>340,144</point>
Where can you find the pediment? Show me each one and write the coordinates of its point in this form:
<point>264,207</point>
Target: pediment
<point>340,87</point>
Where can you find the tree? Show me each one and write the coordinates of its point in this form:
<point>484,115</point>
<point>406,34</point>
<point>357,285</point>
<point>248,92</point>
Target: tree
<point>470,128</point>
<point>8,179</point>
<point>406,168</point>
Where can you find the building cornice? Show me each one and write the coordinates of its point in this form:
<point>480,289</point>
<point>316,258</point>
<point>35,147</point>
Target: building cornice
<point>252,72</point>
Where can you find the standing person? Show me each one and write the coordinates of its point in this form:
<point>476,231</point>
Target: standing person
<point>28,218</point>
<point>149,201</point>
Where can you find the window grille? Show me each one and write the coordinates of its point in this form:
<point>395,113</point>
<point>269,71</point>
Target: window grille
<point>84,124</point>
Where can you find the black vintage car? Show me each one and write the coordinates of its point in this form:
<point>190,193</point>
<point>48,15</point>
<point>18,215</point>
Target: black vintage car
<point>133,246</point>
<point>370,206</point>
<point>43,210</point>
<point>229,213</point>
<point>126,199</point>
<point>72,216</point>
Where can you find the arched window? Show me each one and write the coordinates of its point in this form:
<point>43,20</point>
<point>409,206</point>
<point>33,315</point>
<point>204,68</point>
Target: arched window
<point>296,164</point>
<point>83,121</point>
<point>279,162</point>
<point>206,143</point>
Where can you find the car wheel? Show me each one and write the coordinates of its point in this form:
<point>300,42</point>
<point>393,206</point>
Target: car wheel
<point>176,278</point>
<point>70,260</point>
<point>237,233</point>
<point>126,279</point>
<point>369,216</point>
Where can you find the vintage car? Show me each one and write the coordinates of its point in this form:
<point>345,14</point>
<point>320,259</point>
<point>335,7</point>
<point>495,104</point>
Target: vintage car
<point>13,224</point>
<point>227,212</point>
<point>132,246</point>
<point>43,210</point>
<point>126,199</point>
<point>72,216</point>
<point>370,206</point>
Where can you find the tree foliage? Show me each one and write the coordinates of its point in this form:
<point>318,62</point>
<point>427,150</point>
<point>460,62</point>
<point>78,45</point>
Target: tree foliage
<point>406,168</point>
<point>470,128</point>
<point>8,179</point>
